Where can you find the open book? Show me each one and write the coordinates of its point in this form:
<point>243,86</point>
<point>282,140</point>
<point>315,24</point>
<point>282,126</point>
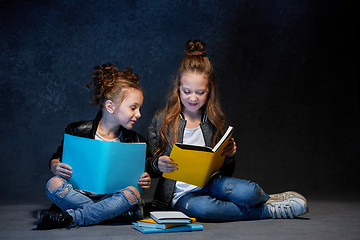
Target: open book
<point>103,167</point>
<point>196,164</point>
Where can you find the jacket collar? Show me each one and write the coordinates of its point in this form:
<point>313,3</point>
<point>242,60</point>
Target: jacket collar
<point>205,125</point>
<point>95,123</point>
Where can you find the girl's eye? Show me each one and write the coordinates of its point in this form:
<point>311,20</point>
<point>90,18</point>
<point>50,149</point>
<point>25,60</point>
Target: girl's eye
<point>200,93</point>
<point>186,92</point>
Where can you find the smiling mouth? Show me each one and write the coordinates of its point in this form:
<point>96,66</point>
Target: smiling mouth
<point>192,104</point>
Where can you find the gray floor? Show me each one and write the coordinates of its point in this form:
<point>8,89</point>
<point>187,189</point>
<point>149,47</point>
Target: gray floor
<point>325,220</point>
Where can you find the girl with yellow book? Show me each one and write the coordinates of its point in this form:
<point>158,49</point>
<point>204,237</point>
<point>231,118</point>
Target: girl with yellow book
<point>193,116</point>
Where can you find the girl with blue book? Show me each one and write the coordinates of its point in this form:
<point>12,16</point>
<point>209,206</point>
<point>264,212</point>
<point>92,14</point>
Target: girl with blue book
<point>119,98</point>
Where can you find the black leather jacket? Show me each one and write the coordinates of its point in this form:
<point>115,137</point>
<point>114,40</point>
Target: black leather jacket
<point>87,129</point>
<point>166,187</point>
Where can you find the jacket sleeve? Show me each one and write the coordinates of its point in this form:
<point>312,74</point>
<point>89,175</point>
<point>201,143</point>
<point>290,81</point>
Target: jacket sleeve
<point>229,166</point>
<point>59,151</point>
<point>153,142</point>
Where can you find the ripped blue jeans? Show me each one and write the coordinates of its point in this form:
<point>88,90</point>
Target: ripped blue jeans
<point>225,199</point>
<point>86,211</point>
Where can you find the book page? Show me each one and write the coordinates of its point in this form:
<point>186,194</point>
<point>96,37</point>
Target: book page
<point>224,138</point>
<point>170,217</point>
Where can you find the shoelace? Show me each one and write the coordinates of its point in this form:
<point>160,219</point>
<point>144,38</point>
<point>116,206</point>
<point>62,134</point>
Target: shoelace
<point>281,211</point>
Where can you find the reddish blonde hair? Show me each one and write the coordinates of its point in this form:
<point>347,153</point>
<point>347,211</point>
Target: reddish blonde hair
<point>111,84</point>
<point>195,61</point>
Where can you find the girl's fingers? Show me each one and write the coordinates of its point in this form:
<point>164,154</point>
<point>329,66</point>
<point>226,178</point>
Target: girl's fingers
<point>64,172</point>
<point>167,169</point>
<point>144,184</point>
<point>67,172</point>
<point>64,175</point>
<point>145,180</point>
<point>166,164</point>
<point>230,149</point>
<point>171,166</point>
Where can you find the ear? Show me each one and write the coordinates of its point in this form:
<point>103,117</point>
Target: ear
<point>110,106</point>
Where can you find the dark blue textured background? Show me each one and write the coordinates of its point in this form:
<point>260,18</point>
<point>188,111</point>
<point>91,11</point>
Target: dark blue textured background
<point>285,70</point>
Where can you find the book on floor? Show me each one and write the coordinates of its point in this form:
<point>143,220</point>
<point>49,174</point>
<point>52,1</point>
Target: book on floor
<point>196,164</point>
<point>185,228</point>
<point>150,223</point>
<point>101,166</point>
<point>170,217</point>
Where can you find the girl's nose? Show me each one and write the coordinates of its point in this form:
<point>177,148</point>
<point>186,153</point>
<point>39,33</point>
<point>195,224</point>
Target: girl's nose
<point>138,114</point>
<point>193,97</point>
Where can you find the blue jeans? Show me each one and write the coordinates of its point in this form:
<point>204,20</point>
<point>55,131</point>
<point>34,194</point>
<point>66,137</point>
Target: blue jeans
<point>86,211</point>
<point>225,199</point>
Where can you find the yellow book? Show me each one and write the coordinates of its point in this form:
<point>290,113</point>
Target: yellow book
<point>196,164</point>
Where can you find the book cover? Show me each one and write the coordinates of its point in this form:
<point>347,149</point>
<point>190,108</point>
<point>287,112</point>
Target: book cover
<point>186,228</point>
<point>196,164</point>
<point>150,223</point>
<point>170,217</point>
<point>103,167</point>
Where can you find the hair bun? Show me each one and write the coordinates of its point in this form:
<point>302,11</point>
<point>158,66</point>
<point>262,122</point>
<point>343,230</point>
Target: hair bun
<point>104,75</point>
<point>128,74</point>
<point>195,48</point>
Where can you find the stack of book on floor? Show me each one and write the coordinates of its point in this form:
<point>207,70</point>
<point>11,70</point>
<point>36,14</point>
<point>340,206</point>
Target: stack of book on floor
<point>167,221</point>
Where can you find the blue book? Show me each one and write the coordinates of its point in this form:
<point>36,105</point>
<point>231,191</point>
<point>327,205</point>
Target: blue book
<point>185,228</point>
<point>103,167</point>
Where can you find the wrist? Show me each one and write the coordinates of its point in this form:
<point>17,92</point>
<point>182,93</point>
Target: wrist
<point>155,164</point>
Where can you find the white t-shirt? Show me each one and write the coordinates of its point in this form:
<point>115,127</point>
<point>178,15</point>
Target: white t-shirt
<point>99,137</point>
<point>192,137</point>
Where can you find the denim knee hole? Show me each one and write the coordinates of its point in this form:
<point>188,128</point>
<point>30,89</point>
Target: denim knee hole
<point>229,187</point>
<point>132,193</point>
<point>61,191</point>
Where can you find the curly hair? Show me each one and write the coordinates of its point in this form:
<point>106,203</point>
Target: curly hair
<point>195,61</point>
<point>110,83</point>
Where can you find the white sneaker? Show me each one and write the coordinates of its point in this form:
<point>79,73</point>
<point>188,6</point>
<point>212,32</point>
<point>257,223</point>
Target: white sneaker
<point>287,208</point>
<point>285,195</point>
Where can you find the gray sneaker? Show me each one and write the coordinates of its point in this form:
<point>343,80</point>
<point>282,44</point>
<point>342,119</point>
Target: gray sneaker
<point>287,208</point>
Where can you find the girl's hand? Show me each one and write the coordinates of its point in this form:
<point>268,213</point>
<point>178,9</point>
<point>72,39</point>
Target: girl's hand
<point>230,149</point>
<point>165,164</point>
<point>145,181</point>
<point>60,169</point>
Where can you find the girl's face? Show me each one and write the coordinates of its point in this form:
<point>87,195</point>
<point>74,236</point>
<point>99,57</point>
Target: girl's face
<point>193,92</point>
<point>128,111</point>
